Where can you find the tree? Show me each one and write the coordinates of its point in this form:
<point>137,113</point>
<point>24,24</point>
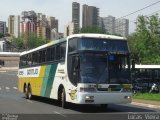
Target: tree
<point>145,42</point>
<point>27,41</point>
<point>1,35</point>
<point>94,29</point>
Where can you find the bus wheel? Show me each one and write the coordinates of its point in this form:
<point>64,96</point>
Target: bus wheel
<point>26,91</point>
<point>104,106</point>
<point>63,99</point>
<point>29,92</point>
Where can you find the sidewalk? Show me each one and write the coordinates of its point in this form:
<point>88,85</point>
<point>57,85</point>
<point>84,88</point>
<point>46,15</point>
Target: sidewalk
<point>146,103</point>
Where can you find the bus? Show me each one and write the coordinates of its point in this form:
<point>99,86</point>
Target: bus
<point>79,69</point>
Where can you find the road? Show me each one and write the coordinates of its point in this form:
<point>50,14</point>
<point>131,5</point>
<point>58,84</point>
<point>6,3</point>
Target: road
<point>13,102</point>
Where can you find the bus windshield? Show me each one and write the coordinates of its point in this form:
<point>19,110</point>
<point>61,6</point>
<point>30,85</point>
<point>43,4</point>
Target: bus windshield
<point>93,68</point>
<point>98,44</point>
<point>104,69</point>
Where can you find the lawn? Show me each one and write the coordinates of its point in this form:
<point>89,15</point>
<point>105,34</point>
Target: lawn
<point>147,96</point>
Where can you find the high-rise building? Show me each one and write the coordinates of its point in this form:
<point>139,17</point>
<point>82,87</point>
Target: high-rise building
<point>28,22</point>
<point>53,26</point>
<point>109,24</point>
<point>14,25</point>
<point>11,25</point>
<point>53,23</point>
<point>2,27</point>
<point>76,16</point>
<point>17,26</point>
<point>69,29</point>
<point>122,27</point>
<point>90,16</point>
<point>41,25</point>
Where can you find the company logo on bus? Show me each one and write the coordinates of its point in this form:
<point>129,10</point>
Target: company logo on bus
<point>32,71</point>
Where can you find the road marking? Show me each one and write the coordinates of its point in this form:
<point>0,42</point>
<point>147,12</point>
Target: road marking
<point>15,88</point>
<point>146,105</point>
<point>29,101</point>
<point>59,114</point>
<point>7,88</point>
<point>0,88</point>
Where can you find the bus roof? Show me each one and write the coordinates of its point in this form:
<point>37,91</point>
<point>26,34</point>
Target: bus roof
<point>72,36</point>
<point>97,36</point>
<point>147,66</point>
<point>44,46</point>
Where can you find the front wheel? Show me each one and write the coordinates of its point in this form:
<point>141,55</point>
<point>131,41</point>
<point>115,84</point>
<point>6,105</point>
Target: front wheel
<point>63,99</point>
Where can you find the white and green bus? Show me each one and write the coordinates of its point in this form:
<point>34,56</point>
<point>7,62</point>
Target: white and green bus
<point>80,69</point>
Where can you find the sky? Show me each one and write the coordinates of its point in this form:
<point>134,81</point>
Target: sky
<point>62,9</point>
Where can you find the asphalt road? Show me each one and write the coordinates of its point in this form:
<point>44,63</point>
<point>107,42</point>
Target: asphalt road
<point>13,102</point>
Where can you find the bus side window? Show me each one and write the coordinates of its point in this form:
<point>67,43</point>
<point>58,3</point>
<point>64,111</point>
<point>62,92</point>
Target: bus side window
<point>52,53</point>
<point>48,54</point>
<point>63,50</point>
<point>57,52</point>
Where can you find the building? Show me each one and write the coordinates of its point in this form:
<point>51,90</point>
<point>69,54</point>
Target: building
<point>53,23</point>
<point>2,27</point>
<point>14,25</point>
<point>11,25</point>
<point>41,25</point>
<point>69,29</point>
<point>122,27</point>
<point>76,16</point>
<point>90,16</point>
<point>28,22</point>
<point>109,24</point>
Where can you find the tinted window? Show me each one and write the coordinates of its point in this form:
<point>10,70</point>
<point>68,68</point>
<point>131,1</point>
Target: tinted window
<point>57,52</point>
<point>63,50</point>
<point>72,44</point>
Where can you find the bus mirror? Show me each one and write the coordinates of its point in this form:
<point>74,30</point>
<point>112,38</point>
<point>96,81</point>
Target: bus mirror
<point>133,64</point>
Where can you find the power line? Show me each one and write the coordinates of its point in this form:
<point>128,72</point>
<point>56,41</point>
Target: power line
<point>140,9</point>
<point>134,13</point>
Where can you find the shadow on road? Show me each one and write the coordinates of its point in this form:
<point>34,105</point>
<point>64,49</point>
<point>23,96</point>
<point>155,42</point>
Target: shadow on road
<point>94,108</point>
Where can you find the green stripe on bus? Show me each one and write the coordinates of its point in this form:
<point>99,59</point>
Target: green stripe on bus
<point>48,80</point>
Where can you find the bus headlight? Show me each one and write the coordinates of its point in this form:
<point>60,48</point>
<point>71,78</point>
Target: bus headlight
<point>127,97</point>
<point>87,89</point>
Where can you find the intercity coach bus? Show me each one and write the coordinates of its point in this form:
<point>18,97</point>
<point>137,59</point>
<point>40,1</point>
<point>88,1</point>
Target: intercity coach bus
<point>80,69</point>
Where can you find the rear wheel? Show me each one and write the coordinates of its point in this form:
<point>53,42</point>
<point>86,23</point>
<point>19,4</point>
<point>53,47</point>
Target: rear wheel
<point>29,92</point>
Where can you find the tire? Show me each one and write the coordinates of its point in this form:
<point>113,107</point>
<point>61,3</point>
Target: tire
<point>104,106</point>
<point>29,92</point>
<point>63,99</point>
<point>26,91</point>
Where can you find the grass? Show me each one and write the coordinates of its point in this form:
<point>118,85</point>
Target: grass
<point>147,96</point>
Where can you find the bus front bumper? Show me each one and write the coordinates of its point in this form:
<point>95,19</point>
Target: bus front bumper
<point>104,98</point>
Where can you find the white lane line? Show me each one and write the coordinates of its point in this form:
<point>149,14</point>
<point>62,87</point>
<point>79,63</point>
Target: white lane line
<point>59,114</point>
<point>0,88</point>
<point>29,101</point>
<point>15,88</point>
<point>7,88</point>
